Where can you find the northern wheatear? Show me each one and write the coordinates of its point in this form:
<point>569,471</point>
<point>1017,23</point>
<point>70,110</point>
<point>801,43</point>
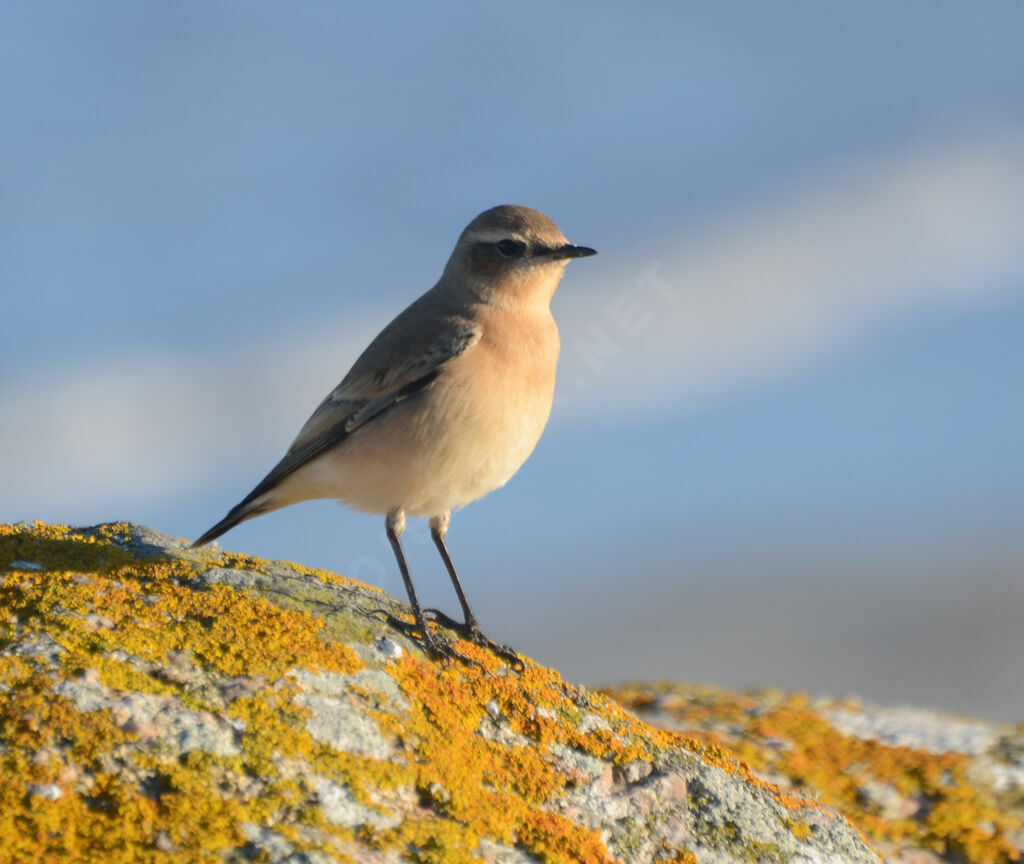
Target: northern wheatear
<point>444,405</point>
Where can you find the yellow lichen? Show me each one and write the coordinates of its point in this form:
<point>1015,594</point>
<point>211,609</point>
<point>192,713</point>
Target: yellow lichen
<point>94,599</point>
<point>956,817</point>
<point>121,622</point>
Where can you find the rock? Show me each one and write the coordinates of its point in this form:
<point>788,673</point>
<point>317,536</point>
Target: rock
<point>160,703</point>
<point>924,787</point>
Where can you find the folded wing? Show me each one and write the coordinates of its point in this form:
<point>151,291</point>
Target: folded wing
<point>402,361</point>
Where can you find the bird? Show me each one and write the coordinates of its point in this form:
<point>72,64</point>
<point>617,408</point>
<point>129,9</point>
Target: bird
<point>444,406</point>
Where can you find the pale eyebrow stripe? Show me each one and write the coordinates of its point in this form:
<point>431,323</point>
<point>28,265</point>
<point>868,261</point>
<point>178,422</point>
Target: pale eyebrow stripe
<point>492,236</point>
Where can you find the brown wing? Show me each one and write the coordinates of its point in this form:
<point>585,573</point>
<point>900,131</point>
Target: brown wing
<point>418,342</point>
<point>405,358</point>
<point>398,364</point>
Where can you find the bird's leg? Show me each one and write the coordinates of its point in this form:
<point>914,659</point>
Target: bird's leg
<point>438,532</point>
<point>394,525</point>
<point>470,628</point>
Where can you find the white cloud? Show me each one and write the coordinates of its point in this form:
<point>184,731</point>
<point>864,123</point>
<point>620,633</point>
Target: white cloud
<point>780,284</point>
<point>121,431</point>
<point>760,293</point>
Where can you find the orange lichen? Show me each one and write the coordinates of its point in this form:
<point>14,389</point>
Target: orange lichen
<point>231,631</point>
<point>685,858</point>
<point>479,787</point>
<point>784,736</point>
<point>95,599</point>
<point>475,750</point>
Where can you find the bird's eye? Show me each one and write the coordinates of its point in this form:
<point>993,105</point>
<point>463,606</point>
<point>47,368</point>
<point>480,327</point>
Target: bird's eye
<point>509,248</point>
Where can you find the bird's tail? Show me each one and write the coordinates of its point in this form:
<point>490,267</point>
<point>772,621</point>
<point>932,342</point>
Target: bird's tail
<point>239,513</point>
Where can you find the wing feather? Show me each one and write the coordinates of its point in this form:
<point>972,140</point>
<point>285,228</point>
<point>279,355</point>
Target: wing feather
<point>396,366</point>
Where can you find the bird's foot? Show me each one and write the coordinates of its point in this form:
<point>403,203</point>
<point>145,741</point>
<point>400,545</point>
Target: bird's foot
<point>471,632</point>
<point>440,648</point>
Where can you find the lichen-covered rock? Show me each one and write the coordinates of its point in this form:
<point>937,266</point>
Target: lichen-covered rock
<point>159,703</point>
<point>924,787</point>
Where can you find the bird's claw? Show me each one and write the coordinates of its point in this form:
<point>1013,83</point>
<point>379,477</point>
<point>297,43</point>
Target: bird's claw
<point>439,617</point>
<point>471,632</point>
<point>434,644</point>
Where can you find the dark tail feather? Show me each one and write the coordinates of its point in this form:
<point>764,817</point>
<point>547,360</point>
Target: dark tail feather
<point>238,513</point>
<point>253,504</point>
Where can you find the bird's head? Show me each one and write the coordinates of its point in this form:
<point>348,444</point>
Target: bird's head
<point>511,253</point>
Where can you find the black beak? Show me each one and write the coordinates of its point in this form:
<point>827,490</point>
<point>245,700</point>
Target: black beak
<point>570,251</point>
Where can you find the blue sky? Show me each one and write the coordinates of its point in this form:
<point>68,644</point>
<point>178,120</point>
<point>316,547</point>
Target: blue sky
<point>786,447</point>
